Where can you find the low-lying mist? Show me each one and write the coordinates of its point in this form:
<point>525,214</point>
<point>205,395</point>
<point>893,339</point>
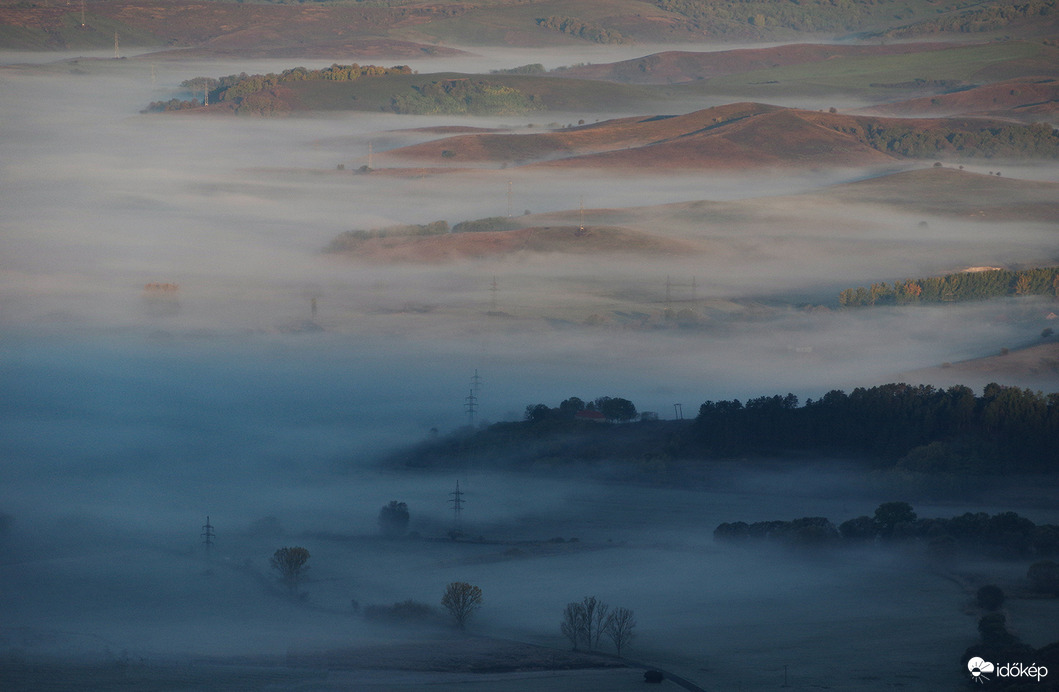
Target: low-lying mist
<point>174,344</point>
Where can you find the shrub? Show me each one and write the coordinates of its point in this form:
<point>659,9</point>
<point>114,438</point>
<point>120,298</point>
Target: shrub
<point>409,611</point>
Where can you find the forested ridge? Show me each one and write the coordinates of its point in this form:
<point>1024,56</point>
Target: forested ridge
<point>916,428</point>
<point>957,287</point>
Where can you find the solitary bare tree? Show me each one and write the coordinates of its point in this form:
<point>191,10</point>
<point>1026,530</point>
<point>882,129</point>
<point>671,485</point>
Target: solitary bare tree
<point>619,627</point>
<point>290,563</point>
<point>573,623</point>
<point>461,600</point>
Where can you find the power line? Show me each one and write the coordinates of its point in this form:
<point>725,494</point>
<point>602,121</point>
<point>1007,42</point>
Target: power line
<point>457,505</point>
<point>207,534</point>
<point>471,406</point>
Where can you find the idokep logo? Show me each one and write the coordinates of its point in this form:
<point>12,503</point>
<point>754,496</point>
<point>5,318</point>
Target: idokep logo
<point>978,667</point>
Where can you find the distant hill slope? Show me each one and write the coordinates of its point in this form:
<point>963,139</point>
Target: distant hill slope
<point>877,73</point>
<point>281,29</point>
<point>672,67</point>
<point>744,135</point>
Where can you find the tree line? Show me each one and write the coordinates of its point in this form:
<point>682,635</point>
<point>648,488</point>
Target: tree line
<point>239,90</point>
<point>1004,535</point>
<point>921,427</point>
<point>957,287</point>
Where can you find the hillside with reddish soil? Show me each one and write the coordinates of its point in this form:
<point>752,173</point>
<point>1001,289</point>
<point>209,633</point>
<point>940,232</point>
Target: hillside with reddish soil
<point>733,136</point>
<point>550,239</point>
<point>1028,100</point>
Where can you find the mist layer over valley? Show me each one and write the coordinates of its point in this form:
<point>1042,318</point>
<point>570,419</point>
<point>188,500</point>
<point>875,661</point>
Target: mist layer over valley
<point>176,344</point>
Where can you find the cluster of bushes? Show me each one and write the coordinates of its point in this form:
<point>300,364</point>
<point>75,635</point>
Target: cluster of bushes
<point>171,105</point>
<point>464,97</point>
<point>533,68</point>
<point>578,28</point>
<point>804,531</point>
<point>405,612</point>
<point>956,287</point>
<point>486,225</point>
<point>351,239</point>
<point>1004,535</point>
<point>919,427</point>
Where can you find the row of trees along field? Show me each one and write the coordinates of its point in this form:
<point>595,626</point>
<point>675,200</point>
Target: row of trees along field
<point>1004,536</point>
<point>961,286</point>
<point>237,87</point>
<point>925,429</point>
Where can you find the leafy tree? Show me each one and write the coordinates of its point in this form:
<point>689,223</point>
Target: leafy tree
<point>570,407</point>
<point>537,412</point>
<point>890,515</point>
<point>461,600</point>
<point>616,408</point>
<point>619,627</point>
<point>291,565</point>
<point>393,519</point>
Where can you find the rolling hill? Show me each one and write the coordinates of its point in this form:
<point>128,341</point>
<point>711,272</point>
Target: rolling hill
<point>742,135</point>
